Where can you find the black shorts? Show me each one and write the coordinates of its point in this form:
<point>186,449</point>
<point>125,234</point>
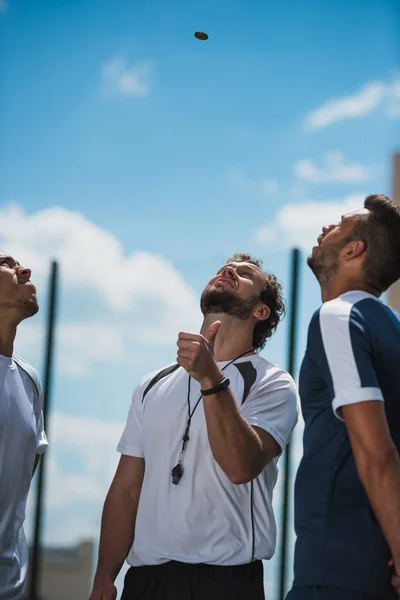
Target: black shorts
<point>321,592</point>
<point>182,581</point>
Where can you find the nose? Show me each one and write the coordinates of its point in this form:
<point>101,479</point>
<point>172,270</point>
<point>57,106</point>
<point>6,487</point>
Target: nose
<point>228,272</point>
<point>327,228</point>
<point>23,274</point>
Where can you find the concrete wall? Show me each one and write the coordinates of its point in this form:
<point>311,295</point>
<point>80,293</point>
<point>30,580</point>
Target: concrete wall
<point>66,573</point>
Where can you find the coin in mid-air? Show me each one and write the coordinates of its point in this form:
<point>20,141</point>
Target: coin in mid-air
<point>200,35</point>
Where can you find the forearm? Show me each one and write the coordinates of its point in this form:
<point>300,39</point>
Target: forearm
<point>381,480</point>
<point>235,445</point>
<point>117,532</point>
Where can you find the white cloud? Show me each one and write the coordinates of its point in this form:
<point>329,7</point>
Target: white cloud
<point>92,441</point>
<point>334,169</point>
<point>143,297</point>
<point>364,101</point>
<point>79,345</point>
<point>300,224</point>
<point>77,493</point>
<point>120,78</point>
<point>266,234</point>
<point>267,186</point>
<point>93,258</point>
<point>3,5</point>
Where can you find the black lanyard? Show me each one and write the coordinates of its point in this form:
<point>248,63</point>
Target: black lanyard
<point>177,471</point>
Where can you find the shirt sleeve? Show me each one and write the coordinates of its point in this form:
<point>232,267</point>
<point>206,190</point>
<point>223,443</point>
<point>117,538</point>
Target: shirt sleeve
<point>41,439</point>
<point>348,351</point>
<point>131,443</point>
<point>274,407</point>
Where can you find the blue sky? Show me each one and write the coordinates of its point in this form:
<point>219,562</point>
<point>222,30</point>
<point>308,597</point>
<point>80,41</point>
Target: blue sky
<point>140,158</point>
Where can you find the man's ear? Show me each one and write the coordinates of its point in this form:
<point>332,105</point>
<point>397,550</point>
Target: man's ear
<point>262,311</point>
<point>354,250</point>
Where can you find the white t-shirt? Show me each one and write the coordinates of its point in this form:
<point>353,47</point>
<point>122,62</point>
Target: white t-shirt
<point>205,518</point>
<point>21,438</point>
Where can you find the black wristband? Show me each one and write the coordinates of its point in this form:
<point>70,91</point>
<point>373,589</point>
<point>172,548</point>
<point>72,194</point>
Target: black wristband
<point>217,388</point>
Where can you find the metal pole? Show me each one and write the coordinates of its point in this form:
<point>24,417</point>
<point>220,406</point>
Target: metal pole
<point>293,312</point>
<point>36,548</point>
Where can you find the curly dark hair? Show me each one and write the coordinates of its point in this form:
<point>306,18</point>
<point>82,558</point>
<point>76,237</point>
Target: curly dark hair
<point>271,295</point>
<point>379,229</point>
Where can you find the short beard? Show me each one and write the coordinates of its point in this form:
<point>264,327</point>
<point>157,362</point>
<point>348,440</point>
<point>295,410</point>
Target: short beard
<point>324,263</point>
<point>28,308</point>
<point>222,301</point>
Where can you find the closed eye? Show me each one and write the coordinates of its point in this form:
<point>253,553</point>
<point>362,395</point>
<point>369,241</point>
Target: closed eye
<point>9,262</point>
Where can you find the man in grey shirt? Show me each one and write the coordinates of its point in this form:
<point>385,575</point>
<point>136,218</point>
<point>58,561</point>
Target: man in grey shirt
<point>22,438</point>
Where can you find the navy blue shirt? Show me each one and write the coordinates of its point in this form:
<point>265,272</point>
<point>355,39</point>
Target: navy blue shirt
<point>353,355</point>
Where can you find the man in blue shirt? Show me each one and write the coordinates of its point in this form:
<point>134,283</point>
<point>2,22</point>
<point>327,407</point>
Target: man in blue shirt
<point>347,493</point>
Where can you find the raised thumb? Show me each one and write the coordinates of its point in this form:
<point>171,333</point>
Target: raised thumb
<point>212,332</point>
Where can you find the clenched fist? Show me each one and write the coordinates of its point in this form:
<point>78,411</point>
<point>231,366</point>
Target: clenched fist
<point>196,356</point>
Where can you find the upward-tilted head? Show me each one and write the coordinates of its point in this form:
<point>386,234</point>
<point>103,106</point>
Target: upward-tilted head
<point>243,290</point>
<point>17,293</point>
<point>363,248</point>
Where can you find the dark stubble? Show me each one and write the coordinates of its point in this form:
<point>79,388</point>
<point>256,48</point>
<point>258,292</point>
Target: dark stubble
<point>225,301</point>
<point>28,307</point>
<point>325,261</point>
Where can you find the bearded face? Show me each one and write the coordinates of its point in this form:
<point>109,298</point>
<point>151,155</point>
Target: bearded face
<point>324,262</point>
<point>17,293</point>
<point>325,257</point>
<point>223,300</point>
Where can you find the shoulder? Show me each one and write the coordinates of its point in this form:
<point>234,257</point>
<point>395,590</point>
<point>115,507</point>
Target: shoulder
<point>276,398</point>
<point>351,303</point>
<point>333,316</point>
<point>352,308</point>
<point>340,307</point>
<point>270,371</point>
<point>394,312</point>
<point>271,376</point>
<point>154,377</point>
<point>30,372</point>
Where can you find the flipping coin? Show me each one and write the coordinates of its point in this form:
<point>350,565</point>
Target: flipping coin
<point>200,35</point>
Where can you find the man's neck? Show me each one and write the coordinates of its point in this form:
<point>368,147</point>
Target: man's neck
<point>7,336</point>
<point>234,336</point>
<point>336,288</point>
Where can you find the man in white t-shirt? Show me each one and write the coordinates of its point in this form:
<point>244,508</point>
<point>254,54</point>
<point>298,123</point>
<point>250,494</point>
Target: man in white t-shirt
<point>190,506</point>
<point>22,438</point>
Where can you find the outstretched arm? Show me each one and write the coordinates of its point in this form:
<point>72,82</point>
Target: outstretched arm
<point>118,525</point>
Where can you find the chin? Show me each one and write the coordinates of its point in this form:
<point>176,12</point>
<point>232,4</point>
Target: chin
<point>310,260</point>
<point>29,308</point>
<point>315,267</point>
